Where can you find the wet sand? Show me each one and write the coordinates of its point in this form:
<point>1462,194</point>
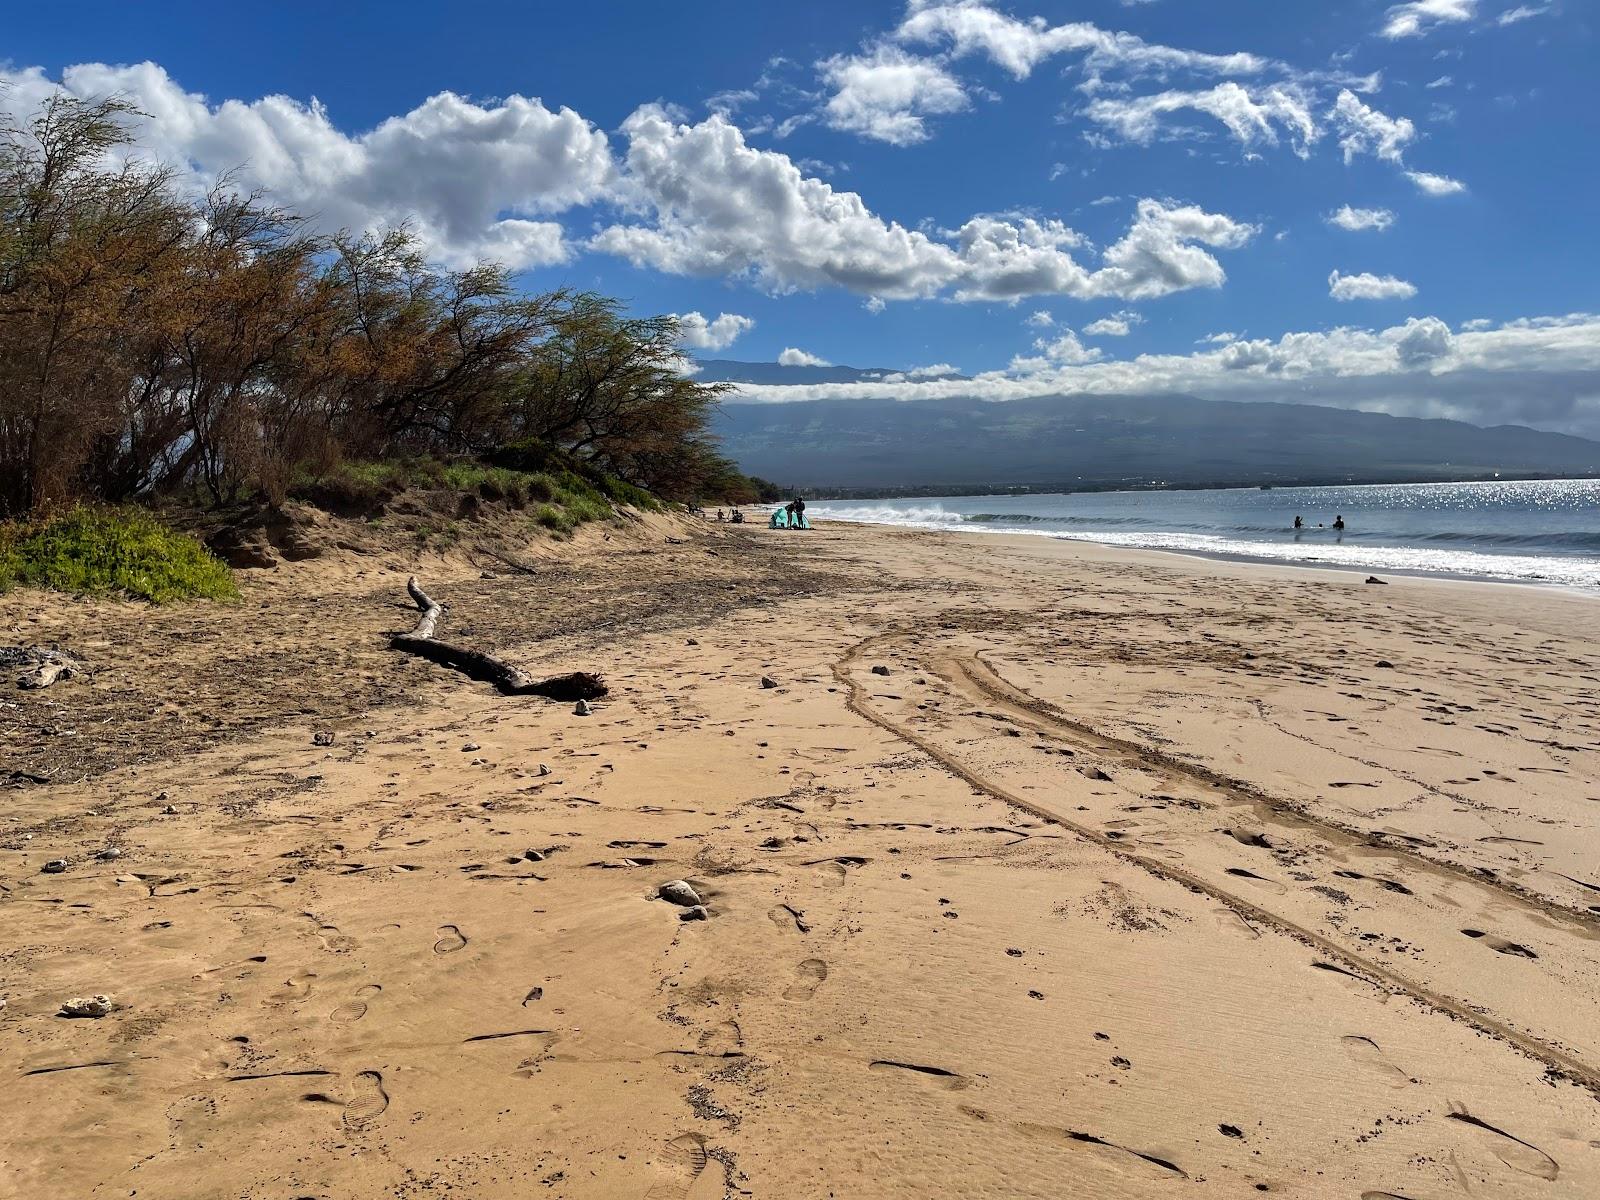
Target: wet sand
<point>1040,869</point>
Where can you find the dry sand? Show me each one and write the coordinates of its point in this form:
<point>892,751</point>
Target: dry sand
<point>1133,875</point>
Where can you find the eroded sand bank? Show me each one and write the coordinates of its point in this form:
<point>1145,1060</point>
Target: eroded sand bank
<point>1124,875</point>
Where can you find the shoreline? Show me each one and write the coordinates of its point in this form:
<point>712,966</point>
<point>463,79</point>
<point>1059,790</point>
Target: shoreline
<point>1224,556</point>
<point>1027,867</point>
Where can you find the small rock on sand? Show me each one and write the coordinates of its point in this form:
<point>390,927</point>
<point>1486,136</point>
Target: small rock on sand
<point>676,891</point>
<point>470,747</point>
<point>1384,662</point>
<point>696,913</point>
<point>880,669</point>
<point>767,681</point>
<point>55,866</point>
<point>322,737</point>
<point>1094,773</point>
<point>87,1006</point>
<point>582,708</point>
<point>1375,579</point>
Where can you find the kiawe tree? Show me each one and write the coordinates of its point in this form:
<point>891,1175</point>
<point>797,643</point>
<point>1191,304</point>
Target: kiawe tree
<point>152,341</point>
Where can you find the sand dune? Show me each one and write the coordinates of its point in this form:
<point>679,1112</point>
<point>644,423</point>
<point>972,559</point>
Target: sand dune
<point>1043,870</point>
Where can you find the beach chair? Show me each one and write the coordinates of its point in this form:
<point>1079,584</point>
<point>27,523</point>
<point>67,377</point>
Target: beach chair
<point>780,519</point>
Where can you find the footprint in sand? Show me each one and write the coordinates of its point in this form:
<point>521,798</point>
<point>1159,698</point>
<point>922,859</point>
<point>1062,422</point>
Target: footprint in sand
<point>1509,1149</point>
<point>450,940</point>
<point>1152,1166</point>
<point>1499,944</point>
<point>949,1079</point>
<point>683,1166</point>
<point>1249,837</point>
<point>788,918</point>
<point>334,941</point>
<point>1370,1055</point>
<point>1250,877</point>
<point>726,1040</point>
<point>356,1007</point>
<point>1232,922</point>
<point>808,977</point>
<point>368,1100</point>
<point>834,870</point>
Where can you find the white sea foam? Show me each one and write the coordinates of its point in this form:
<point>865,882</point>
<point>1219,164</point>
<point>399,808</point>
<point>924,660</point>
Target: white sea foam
<point>1318,547</point>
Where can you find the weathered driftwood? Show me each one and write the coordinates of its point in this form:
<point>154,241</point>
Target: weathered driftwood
<point>578,685</point>
<point>41,665</point>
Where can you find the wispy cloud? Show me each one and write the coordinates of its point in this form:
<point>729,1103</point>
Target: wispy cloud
<point>1365,286</point>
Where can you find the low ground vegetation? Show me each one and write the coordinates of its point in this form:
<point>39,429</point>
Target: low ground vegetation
<point>110,552</point>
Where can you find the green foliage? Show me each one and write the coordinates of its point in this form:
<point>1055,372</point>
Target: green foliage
<point>767,492</point>
<point>109,551</point>
<point>571,474</point>
<point>566,493</point>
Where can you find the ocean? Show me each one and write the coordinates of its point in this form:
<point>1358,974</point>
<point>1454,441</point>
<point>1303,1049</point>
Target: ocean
<point>1522,531</point>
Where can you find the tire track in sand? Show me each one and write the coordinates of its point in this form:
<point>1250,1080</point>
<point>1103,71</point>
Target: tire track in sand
<point>856,700</point>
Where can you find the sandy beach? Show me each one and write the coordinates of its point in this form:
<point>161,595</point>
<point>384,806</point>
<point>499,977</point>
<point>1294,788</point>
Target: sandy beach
<point>1029,869</point>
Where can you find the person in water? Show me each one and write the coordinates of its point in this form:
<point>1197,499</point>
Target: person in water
<point>1298,522</point>
<point>1338,522</point>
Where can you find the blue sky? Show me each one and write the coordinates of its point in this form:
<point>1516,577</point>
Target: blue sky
<point>1123,195</point>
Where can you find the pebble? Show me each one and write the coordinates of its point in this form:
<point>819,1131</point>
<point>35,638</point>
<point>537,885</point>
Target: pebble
<point>55,866</point>
<point>676,891</point>
<point>87,1006</point>
<point>880,669</point>
<point>470,747</point>
<point>544,768</point>
<point>109,854</point>
<point>767,681</point>
<point>696,913</point>
<point>322,737</point>
<point>582,708</point>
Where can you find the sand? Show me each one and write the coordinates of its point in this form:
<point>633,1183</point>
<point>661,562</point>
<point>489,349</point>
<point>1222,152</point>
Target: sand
<point>1043,870</point>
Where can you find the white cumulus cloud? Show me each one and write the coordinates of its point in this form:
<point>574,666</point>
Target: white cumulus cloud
<point>698,333</point>
<point>1358,219</point>
<point>470,178</point>
<point>887,94</point>
<point>1365,286</point>
<point>1118,324</point>
<point>1435,185</point>
<point>711,204</point>
<point>490,180</point>
<point>792,357</point>
<point>1542,371</point>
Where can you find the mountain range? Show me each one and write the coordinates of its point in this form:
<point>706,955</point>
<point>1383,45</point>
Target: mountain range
<point>1096,441</point>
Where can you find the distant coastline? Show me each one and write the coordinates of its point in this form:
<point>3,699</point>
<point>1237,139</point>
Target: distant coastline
<point>819,492</point>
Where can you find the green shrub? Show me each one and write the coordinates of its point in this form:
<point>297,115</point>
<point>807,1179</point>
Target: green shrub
<point>554,519</point>
<point>106,551</point>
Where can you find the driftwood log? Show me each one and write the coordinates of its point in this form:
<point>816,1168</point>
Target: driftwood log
<point>578,685</point>
<point>42,665</point>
